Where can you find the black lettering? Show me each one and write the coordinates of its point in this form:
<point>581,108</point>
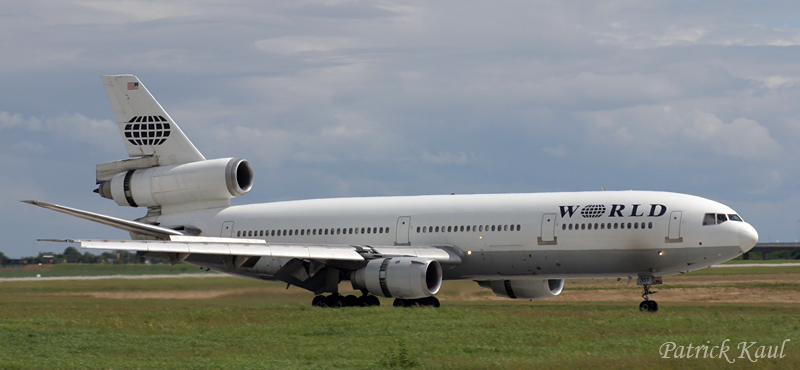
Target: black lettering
<point>616,208</point>
<point>662,210</point>
<point>568,210</point>
<point>633,211</point>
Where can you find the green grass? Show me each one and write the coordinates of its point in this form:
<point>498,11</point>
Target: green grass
<point>742,261</point>
<point>59,325</point>
<point>725,271</point>
<point>96,270</point>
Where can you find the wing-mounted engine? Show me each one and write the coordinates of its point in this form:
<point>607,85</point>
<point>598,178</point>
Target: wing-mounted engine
<point>195,185</point>
<point>525,289</point>
<point>399,277</point>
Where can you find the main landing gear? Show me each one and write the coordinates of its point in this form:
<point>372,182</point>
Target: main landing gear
<point>427,301</point>
<point>336,301</point>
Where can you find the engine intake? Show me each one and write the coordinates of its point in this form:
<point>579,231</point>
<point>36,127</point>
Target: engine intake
<point>213,182</point>
<point>525,289</point>
<point>399,277</point>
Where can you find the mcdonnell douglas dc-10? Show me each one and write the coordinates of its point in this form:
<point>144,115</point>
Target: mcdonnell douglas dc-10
<point>518,245</point>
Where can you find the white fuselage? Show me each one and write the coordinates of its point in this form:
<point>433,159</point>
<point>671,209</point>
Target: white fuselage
<point>519,236</point>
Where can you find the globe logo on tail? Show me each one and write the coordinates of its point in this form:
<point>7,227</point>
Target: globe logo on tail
<point>147,130</point>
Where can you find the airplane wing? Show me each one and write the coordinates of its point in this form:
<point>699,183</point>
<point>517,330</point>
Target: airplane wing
<point>182,246</point>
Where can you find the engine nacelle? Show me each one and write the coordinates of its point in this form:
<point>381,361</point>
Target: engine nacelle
<point>525,289</point>
<point>399,277</point>
<point>211,181</point>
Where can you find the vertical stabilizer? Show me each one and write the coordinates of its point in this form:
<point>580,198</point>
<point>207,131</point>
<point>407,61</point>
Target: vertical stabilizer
<point>145,126</point>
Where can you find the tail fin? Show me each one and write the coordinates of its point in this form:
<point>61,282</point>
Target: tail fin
<point>146,128</point>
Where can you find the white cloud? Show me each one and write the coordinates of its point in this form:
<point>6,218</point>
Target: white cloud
<point>75,127</point>
<point>303,44</point>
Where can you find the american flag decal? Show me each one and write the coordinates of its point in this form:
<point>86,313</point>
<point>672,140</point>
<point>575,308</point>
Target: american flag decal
<point>133,86</point>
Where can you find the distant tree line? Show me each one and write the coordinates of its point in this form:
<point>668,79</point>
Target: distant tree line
<point>72,255</point>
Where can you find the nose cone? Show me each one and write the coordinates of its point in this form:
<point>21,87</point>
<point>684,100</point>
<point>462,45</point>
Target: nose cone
<point>748,237</point>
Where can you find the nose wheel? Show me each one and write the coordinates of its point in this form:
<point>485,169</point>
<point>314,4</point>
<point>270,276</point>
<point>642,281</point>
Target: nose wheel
<point>648,305</point>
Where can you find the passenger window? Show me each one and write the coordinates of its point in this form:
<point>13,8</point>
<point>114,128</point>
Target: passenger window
<point>649,225</point>
<point>418,229</point>
<point>518,227</point>
<point>735,218</point>
<point>238,234</point>
<point>462,229</point>
<point>590,226</point>
<point>721,218</point>
<point>563,226</point>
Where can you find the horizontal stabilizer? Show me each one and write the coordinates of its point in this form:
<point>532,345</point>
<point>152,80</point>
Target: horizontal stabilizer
<point>129,226</point>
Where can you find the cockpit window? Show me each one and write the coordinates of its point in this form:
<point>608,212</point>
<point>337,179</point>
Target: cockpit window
<point>718,218</point>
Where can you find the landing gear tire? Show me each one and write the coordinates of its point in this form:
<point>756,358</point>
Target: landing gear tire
<point>319,301</point>
<point>649,306</point>
<point>427,301</point>
<point>336,301</point>
<point>432,301</point>
<point>351,301</point>
<point>368,300</point>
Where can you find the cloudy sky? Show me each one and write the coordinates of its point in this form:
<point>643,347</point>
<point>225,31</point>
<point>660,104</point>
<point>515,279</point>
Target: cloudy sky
<point>365,98</point>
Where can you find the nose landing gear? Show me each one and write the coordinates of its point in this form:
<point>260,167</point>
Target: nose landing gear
<point>647,282</point>
<point>647,304</point>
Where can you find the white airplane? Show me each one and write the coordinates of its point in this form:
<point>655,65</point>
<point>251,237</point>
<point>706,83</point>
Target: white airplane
<point>518,245</point>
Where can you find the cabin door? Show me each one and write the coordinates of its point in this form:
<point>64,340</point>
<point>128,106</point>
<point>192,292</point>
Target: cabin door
<point>674,235</point>
<point>227,229</point>
<point>403,225</point>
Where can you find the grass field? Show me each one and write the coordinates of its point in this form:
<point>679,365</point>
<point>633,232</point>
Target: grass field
<point>233,323</point>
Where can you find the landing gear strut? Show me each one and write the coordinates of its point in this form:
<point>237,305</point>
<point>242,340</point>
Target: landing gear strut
<point>335,300</point>
<point>647,304</point>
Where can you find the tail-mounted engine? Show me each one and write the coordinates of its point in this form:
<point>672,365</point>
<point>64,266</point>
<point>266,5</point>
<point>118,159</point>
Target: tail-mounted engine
<point>210,183</point>
<point>525,289</point>
<point>399,277</point>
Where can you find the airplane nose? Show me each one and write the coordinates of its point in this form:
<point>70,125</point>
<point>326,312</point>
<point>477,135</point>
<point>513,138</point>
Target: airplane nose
<point>748,237</point>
